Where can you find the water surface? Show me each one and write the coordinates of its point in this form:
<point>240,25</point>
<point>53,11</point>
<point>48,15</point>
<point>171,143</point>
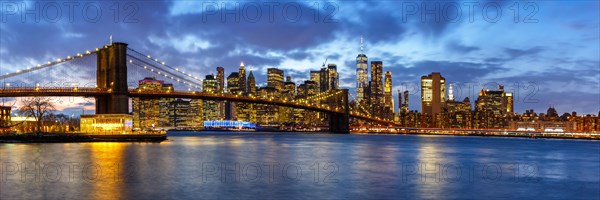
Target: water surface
<point>220,165</point>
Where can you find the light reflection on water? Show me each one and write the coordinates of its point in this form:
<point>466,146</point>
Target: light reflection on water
<point>320,166</point>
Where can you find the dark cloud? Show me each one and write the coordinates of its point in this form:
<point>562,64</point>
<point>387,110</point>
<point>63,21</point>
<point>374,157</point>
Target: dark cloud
<point>455,47</point>
<point>153,28</point>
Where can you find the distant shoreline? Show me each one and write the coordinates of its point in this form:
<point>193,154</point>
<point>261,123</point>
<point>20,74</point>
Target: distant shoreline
<point>157,138</point>
<point>70,138</point>
<point>541,136</point>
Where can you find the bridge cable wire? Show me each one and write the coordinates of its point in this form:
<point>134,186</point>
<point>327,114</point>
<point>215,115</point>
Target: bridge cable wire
<point>187,78</point>
<point>164,70</point>
<point>48,64</point>
<point>166,73</point>
<point>163,64</point>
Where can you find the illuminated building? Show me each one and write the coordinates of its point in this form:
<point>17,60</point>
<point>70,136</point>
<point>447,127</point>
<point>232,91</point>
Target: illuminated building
<point>161,113</point>
<point>388,100</point>
<point>233,87</point>
<point>275,78</point>
<point>450,93</point>
<point>209,107</point>
<point>220,80</point>
<point>267,114</point>
<point>150,113</point>
<point>316,77</point>
<point>362,75</point>
<point>334,80</point>
<point>289,88</point>
<point>242,80</point>
<point>106,124</point>
<point>184,114</point>
<point>404,106</point>
<point>509,102</point>
<point>375,90</point>
<point>247,111</point>
<point>323,80</point>
<point>286,114</point>
<point>5,114</point>
<point>300,113</point>
<point>496,101</point>
<point>251,85</point>
<point>433,94</point>
<point>220,90</point>
<point>227,124</point>
<point>456,114</point>
<point>305,117</point>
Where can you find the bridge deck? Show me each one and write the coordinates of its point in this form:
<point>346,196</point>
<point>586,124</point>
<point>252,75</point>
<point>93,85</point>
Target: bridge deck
<point>94,92</point>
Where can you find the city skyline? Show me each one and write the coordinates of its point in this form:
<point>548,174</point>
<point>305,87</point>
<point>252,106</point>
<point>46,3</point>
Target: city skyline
<point>339,43</point>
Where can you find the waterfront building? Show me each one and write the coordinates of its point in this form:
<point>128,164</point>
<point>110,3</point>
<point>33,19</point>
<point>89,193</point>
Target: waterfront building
<point>150,113</point>
<point>5,121</point>
<point>185,114</point>
<point>433,94</point>
<point>106,124</point>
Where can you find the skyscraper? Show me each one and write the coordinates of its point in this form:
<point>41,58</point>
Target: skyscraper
<point>233,83</point>
<point>362,76</point>
<point>405,102</point>
<point>388,100</point>
<point>376,89</point>
<point>210,109</point>
<point>275,78</point>
<point>220,89</point>
<point>334,80</point>
<point>251,84</point>
<point>242,79</point>
<point>316,77</point>
<point>433,94</point>
<point>450,93</point>
<point>233,87</point>
<point>496,101</point>
<point>323,80</point>
<point>220,80</point>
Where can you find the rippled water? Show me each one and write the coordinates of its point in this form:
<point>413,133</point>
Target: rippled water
<point>302,166</point>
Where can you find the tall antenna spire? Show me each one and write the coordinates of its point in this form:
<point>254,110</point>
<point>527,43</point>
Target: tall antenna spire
<point>110,38</point>
<point>450,93</point>
<point>361,43</point>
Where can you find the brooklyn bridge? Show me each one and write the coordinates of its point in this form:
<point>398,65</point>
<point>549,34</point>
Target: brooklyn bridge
<point>114,64</point>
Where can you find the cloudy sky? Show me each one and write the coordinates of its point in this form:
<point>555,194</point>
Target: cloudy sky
<point>546,52</point>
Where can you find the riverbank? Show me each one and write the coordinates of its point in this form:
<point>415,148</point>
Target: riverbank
<point>532,136</point>
<point>74,137</point>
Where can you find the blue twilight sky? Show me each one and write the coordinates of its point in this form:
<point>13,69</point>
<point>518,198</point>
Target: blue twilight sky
<point>546,52</point>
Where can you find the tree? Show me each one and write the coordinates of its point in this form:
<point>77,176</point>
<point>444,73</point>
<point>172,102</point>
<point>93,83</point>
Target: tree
<point>36,107</point>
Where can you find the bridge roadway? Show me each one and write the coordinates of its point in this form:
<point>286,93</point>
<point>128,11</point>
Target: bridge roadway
<point>94,92</point>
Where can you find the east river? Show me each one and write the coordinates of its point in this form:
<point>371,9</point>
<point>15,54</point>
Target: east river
<point>229,165</point>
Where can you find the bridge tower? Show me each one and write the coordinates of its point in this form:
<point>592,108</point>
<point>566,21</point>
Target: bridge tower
<point>340,122</point>
<point>111,74</point>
